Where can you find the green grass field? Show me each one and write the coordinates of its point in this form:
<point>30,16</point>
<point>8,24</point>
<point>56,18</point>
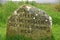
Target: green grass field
<point>7,9</point>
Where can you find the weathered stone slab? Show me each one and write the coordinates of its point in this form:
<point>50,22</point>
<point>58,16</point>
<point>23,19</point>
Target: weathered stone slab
<point>31,22</point>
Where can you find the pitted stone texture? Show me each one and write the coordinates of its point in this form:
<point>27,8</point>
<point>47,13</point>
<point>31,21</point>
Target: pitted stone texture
<point>30,22</point>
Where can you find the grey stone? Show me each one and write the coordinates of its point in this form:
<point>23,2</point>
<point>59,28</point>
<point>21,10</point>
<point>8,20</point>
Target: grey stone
<point>30,22</point>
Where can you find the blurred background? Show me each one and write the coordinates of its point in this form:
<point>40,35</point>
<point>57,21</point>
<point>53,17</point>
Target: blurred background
<point>37,1</point>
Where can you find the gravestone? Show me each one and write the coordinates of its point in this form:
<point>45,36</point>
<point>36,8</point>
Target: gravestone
<point>30,22</point>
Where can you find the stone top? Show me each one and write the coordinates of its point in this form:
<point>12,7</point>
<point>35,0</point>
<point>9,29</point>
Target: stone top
<point>36,12</point>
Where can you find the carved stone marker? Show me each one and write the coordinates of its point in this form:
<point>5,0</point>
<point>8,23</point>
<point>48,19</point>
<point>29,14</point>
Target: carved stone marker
<point>30,22</point>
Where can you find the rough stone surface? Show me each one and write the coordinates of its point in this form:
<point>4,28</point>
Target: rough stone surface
<point>30,22</point>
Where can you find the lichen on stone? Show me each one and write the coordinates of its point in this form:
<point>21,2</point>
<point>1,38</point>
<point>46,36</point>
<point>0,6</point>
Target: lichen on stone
<point>30,22</point>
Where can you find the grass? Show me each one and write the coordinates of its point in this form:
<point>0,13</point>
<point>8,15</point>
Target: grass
<point>7,9</point>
